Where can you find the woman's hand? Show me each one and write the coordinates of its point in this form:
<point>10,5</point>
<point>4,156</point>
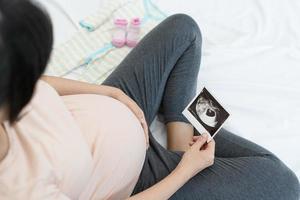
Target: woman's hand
<point>199,156</point>
<point>132,105</point>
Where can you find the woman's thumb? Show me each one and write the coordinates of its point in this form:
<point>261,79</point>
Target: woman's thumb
<point>201,141</point>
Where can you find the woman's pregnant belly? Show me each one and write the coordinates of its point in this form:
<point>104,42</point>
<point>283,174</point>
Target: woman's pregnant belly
<point>117,143</point>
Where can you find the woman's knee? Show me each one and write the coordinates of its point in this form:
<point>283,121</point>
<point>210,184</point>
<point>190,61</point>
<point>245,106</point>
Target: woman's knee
<point>185,24</point>
<point>291,183</point>
<point>284,179</point>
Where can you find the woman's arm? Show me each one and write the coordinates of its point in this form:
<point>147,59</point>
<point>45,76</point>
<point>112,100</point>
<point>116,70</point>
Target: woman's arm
<point>199,156</point>
<point>68,87</point>
<point>165,188</point>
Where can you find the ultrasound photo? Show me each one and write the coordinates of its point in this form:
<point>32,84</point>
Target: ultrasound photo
<point>206,113</point>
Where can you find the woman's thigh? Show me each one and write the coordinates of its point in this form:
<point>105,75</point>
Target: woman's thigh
<point>144,73</point>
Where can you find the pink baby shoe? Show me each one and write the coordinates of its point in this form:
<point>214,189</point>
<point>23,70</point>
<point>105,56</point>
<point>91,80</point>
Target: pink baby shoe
<point>119,33</point>
<point>133,32</point>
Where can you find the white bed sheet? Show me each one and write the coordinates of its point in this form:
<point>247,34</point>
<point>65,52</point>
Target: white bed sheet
<point>251,62</point>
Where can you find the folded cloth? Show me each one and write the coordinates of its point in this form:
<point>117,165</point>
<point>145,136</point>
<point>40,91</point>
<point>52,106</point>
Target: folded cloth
<point>92,22</point>
<point>89,55</point>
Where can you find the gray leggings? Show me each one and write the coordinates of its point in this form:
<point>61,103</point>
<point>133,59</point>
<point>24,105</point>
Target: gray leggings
<point>160,74</point>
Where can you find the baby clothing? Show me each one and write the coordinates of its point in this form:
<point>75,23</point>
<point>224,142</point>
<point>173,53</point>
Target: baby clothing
<point>133,32</point>
<point>122,35</point>
<point>119,33</point>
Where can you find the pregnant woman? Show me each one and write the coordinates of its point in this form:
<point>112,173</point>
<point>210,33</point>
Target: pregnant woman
<point>62,139</point>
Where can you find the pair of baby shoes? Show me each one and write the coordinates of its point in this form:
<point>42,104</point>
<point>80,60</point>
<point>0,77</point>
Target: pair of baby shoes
<point>123,35</point>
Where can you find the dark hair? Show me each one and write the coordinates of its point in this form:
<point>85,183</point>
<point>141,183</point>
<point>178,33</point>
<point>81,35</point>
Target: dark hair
<point>26,39</point>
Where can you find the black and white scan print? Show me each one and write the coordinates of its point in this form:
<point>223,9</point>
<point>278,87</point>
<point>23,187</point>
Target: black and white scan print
<point>208,112</point>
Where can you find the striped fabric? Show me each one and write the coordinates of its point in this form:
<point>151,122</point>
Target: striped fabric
<point>89,55</point>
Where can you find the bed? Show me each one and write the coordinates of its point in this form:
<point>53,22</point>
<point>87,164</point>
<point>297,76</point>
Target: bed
<point>251,62</point>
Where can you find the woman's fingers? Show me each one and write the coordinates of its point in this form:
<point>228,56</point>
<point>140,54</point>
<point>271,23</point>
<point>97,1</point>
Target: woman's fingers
<point>145,127</point>
<point>211,146</point>
<point>140,115</point>
<point>138,112</point>
<point>195,137</point>
<point>142,119</point>
<point>191,143</point>
<point>200,142</point>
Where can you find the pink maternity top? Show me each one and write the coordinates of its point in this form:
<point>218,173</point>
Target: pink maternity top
<point>73,147</point>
